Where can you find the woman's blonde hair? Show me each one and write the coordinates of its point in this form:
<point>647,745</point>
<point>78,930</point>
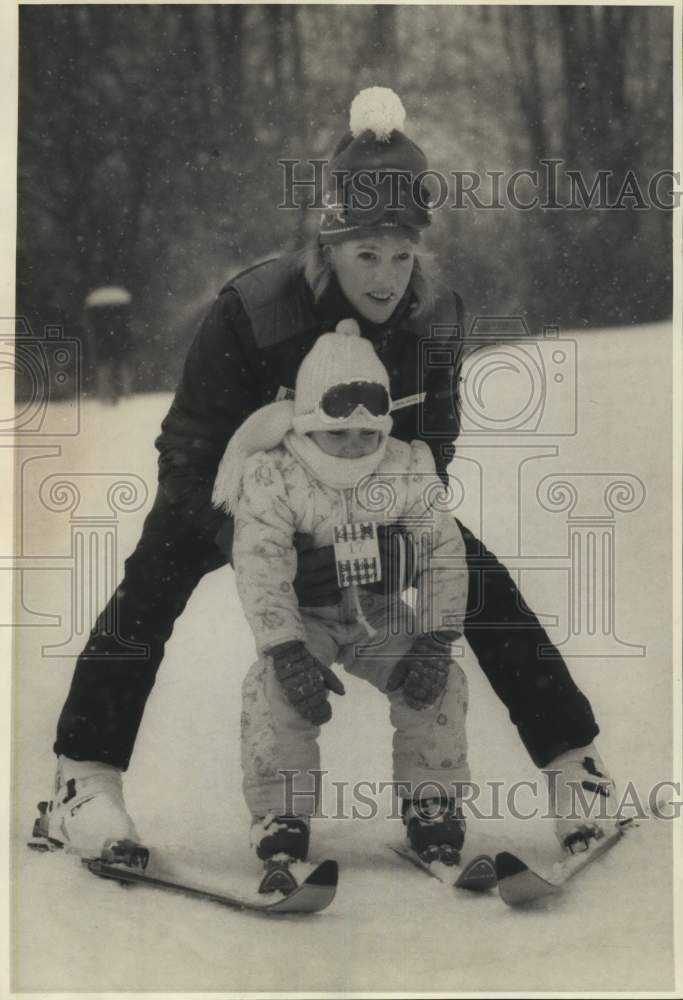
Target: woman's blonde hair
<point>318,271</point>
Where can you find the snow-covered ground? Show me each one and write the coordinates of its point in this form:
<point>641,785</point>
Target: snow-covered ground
<point>390,928</point>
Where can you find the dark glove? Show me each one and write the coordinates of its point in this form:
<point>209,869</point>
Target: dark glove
<point>423,671</point>
<point>316,577</point>
<point>305,681</point>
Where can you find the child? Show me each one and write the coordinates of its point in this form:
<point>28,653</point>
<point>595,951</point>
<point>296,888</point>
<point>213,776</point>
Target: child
<point>312,466</point>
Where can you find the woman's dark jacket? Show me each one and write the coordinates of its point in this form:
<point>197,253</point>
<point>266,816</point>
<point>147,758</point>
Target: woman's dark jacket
<point>249,349</point>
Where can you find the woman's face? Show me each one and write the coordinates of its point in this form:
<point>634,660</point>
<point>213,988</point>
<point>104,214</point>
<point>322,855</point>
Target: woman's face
<point>374,273</point>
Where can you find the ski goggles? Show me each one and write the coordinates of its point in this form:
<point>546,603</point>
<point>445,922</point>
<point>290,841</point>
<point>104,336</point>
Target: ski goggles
<point>372,199</point>
<point>341,401</point>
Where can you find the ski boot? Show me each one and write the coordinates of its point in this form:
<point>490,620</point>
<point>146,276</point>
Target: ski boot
<point>87,815</point>
<point>435,828</point>
<point>581,797</point>
<point>279,842</point>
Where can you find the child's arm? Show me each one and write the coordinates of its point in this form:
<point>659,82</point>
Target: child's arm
<point>441,570</point>
<point>264,555</point>
<point>441,581</point>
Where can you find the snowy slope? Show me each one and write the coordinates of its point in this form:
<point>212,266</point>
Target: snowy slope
<point>390,928</point>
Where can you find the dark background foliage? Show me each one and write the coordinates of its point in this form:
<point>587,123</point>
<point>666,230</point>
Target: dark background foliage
<point>150,136</point>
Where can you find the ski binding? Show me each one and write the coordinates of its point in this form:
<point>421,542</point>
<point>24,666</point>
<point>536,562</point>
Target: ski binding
<point>478,875</point>
<point>127,852</point>
<point>518,884</point>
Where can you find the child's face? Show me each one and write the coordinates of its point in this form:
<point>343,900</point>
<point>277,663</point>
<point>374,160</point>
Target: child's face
<point>347,443</point>
<point>374,273</point>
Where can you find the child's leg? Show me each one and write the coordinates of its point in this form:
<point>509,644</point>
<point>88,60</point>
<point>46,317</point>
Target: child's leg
<point>279,748</point>
<point>429,744</point>
<point>275,738</point>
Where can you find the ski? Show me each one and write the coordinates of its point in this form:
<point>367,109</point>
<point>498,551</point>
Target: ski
<point>315,893</point>
<point>478,875</point>
<point>125,862</point>
<point>518,884</point>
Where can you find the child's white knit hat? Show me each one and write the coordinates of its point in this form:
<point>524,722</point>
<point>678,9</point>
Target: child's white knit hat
<point>339,358</point>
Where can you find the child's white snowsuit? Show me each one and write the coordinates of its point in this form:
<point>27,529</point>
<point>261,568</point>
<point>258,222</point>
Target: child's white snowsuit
<point>280,497</point>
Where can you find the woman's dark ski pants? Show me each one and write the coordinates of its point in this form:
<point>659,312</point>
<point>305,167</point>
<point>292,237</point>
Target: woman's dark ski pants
<point>115,672</point>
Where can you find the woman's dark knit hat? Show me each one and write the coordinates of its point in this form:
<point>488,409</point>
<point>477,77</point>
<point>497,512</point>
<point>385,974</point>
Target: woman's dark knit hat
<point>375,177</point>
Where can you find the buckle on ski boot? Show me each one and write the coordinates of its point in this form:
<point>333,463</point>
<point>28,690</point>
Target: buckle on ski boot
<point>287,835</point>
<point>436,829</point>
<point>580,841</point>
<point>41,841</point>
<point>447,854</point>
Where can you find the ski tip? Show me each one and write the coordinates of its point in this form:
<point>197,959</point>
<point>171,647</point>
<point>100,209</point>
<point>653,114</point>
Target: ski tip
<point>479,875</point>
<point>508,865</point>
<point>327,873</point>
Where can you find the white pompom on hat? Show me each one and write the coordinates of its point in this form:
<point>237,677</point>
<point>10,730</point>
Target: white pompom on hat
<point>378,109</point>
<point>335,359</point>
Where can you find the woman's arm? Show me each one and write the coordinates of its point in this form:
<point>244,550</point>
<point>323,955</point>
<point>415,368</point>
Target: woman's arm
<point>441,571</point>
<point>441,408</point>
<point>429,361</point>
<point>216,392</point>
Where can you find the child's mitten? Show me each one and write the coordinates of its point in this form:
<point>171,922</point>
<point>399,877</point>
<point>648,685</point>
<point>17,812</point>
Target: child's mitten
<point>581,797</point>
<point>423,671</point>
<point>305,681</point>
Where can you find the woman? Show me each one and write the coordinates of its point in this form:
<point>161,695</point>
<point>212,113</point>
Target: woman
<point>364,265</point>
